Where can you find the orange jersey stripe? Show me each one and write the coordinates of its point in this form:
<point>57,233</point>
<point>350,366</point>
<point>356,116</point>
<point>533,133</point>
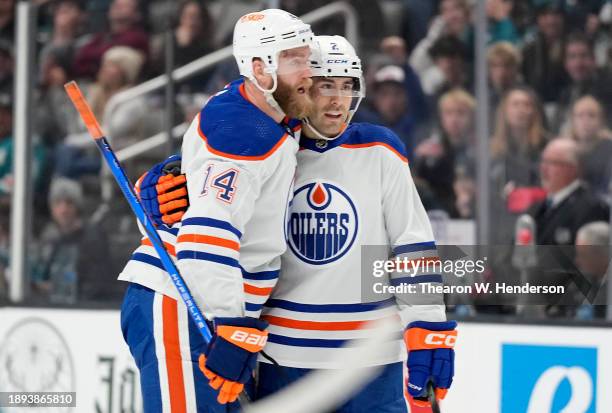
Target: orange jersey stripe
<point>369,145</point>
<point>174,365</point>
<point>251,289</point>
<point>315,325</point>
<point>243,93</point>
<point>210,240</point>
<point>241,157</point>
<point>169,247</point>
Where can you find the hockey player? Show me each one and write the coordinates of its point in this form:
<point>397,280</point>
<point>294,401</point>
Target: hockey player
<point>353,188</point>
<point>239,159</point>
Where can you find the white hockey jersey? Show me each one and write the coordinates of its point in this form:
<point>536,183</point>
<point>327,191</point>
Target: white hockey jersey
<point>240,166</point>
<point>349,193</point>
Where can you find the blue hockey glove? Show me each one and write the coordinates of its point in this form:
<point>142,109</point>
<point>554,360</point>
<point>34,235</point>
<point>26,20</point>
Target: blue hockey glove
<point>231,356</point>
<point>163,192</point>
<point>431,357</point>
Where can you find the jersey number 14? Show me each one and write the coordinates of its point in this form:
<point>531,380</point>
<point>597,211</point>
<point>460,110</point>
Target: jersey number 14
<point>224,183</point>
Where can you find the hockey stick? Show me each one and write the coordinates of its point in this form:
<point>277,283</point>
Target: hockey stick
<point>428,403</point>
<point>431,394</point>
<point>81,105</point>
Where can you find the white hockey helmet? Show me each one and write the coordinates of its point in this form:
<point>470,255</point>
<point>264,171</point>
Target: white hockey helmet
<point>264,35</point>
<point>334,56</point>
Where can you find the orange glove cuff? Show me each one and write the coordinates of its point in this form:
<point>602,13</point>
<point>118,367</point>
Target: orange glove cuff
<point>249,339</point>
<point>423,339</point>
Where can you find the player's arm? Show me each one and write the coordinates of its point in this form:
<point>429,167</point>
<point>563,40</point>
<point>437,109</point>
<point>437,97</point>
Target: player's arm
<point>208,249</point>
<point>428,336</point>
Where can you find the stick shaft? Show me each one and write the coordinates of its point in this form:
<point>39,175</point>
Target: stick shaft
<point>128,192</point>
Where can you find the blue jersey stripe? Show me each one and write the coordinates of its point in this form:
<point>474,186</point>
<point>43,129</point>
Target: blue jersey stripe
<point>261,275</point>
<point>419,246</point>
<point>329,308</point>
<point>419,279</point>
<point>318,342</point>
<point>252,306</point>
<point>148,259</point>
<point>305,342</point>
<point>211,222</point>
<point>205,256</point>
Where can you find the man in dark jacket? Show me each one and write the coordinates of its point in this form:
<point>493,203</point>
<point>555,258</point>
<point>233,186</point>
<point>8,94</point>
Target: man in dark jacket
<point>570,204</point>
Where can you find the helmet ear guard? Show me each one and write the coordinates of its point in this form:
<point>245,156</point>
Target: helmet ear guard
<point>334,56</point>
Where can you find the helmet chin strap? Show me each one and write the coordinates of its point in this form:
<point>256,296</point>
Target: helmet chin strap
<point>318,134</point>
<point>268,93</point>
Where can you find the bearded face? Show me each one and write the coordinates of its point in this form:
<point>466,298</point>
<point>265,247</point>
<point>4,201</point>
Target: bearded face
<point>294,98</point>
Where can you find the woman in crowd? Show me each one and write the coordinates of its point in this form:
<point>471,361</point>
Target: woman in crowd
<point>120,70</point>
<point>192,39</point>
<point>447,156</point>
<point>518,139</point>
<point>588,129</point>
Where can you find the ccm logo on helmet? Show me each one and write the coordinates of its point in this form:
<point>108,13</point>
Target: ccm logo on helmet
<point>438,339</point>
<point>249,338</point>
<point>332,61</point>
<point>252,17</point>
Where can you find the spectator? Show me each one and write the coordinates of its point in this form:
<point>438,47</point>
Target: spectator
<point>448,154</point>
<point>569,204</point>
<point>501,27</point>
<point>68,19</point>
<point>394,51</point>
<point>390,105</point>
<point>125,23</point>
<point>7,21</point>
<point>504,61</point>
<point>581,15</point>
<point>6,153</point>
<point>518,139</point>
<point>592,260</point>
<point>120,68</point>
<point>395,48</point>
<point>74,255</point>
<point>416,18</point>
<point>55,65</point>
<point>451,67</point>
<point>584,78</point>
<point>453,20</point>
<point>543,54</point>
<point>588,129</point>
<point>192,40</point>
<point>517,142</point>
<point>603,37</point>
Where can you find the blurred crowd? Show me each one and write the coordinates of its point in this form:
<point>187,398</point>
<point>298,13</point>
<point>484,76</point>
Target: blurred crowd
<point>550,82</point>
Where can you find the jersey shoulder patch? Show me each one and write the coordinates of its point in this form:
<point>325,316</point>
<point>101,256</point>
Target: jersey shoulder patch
<point>363,135</point>
<point>234,128</point>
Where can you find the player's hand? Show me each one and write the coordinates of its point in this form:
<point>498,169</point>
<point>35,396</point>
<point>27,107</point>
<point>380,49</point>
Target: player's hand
<point>231,356</point>
<point>431,357</point>
<point>163,192</point>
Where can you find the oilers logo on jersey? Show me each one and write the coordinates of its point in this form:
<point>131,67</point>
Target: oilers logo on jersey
<point>323,223</point>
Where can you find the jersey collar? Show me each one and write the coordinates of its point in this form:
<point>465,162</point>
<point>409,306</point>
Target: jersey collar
<point>322,145</point>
